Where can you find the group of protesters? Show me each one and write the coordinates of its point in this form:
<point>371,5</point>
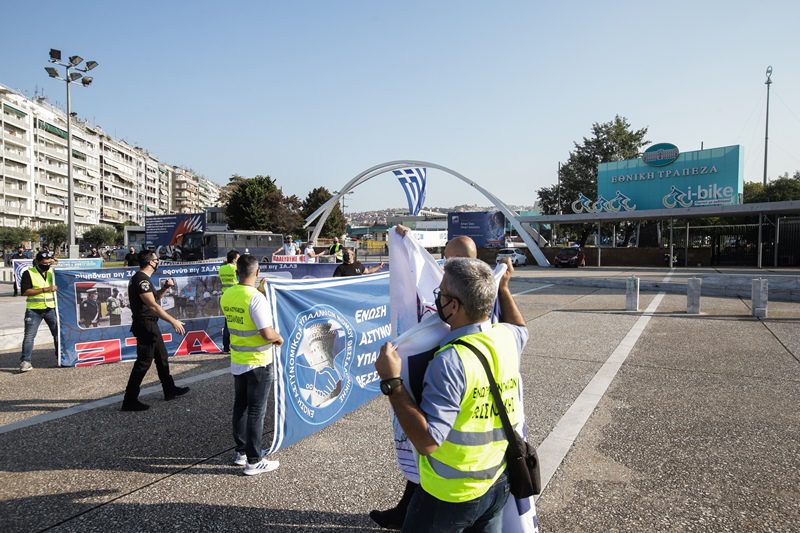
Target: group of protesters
<point>462,479</point>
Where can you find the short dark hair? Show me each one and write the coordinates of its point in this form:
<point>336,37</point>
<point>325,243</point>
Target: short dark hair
<point>145,256</point>
<point>246,266</point>
<point>232,255</point>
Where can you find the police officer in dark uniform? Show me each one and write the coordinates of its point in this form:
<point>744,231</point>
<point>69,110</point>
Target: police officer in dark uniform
<point>146,311</point>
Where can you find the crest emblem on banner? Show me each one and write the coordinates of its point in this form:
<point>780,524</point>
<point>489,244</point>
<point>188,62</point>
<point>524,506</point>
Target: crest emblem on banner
<point>320,352</point>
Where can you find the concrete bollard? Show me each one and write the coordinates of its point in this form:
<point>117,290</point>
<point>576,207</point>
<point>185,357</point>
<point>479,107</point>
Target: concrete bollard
<point>693,286</point>
<point>632,294</point>
<point>760,297</point>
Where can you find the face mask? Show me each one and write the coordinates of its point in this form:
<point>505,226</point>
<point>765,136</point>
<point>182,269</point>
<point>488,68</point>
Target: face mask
<point>155,267</point>
<point>44,268</point>
<point>440,308</point>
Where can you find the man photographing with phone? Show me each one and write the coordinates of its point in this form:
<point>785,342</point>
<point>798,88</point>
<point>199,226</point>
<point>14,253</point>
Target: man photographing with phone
<point>146,311</point>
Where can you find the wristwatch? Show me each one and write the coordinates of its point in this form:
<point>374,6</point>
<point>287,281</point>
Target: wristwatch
<point>389,385</point>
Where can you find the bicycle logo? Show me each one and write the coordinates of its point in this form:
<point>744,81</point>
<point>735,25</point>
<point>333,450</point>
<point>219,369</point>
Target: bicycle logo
<point>676,197</point>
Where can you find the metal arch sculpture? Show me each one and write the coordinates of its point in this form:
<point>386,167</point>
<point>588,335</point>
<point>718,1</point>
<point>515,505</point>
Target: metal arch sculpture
<point>325,209</point>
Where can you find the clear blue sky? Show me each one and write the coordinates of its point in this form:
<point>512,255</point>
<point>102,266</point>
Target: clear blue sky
<point>313,92</point>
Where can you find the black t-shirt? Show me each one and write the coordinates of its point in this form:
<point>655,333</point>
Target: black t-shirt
<point>131,260</point>
<point>344,270</point>
<point>139,284</point>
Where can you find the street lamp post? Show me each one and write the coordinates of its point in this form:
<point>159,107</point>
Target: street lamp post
<point>70,77</point>
<point>766,130</point>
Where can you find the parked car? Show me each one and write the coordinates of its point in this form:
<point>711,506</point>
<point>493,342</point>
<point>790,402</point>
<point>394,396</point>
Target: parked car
<point>517,258</point>
<point>570,257</point>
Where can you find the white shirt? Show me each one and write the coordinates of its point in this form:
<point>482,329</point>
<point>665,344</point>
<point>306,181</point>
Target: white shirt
<point>262,317</point>
<point>310,255</point>
<point>289,248</point>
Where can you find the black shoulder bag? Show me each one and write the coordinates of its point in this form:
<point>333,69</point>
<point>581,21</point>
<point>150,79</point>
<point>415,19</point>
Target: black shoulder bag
<point>522,462</point>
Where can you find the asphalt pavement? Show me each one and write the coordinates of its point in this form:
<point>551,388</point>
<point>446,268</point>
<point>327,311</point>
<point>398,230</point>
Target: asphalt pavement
<point>649,421</point>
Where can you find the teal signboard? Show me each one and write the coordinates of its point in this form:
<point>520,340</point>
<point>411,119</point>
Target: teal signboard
<point>666,178</point>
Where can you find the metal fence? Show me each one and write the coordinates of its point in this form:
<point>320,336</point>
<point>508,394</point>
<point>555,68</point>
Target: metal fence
<point>737,244</point>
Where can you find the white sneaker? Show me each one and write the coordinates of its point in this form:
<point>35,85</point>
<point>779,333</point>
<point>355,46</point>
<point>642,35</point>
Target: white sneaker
<point>264,465</point>
<point>239,459</point>
<point>25,366</point>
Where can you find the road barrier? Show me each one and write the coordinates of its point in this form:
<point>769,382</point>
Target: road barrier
<point>760,297</point>
<point>693,286</point>
<point>632,294</point>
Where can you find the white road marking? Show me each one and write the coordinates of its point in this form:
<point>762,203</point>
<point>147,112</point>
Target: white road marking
<point>557,444</point>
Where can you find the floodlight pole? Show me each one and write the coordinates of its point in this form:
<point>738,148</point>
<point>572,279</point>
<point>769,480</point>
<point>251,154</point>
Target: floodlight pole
<point>73,62</point>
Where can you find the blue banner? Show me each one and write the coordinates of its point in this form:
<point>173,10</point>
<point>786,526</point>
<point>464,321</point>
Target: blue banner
<point>333,330</point>
<point>20,265</point>
<point>94,315</point>
<point>486,228</point>
<point>168,230</point>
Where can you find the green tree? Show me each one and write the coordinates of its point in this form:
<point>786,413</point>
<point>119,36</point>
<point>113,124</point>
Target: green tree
<point>100,235</point>
<point>246,207</point>
<point>609,141</point>
<point>53,235</point>
<point>12,237</point>
<point>259,204</point>
<point>336,224</point>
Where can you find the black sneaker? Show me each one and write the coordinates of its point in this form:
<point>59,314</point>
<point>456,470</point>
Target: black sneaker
<point>389,519</point>
<point>175,392</point>
<point>134,405</point>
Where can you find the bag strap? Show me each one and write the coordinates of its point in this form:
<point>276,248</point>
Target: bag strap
<point>498,401</point>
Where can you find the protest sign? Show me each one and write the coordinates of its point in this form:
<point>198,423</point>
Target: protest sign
<point>21,265</point>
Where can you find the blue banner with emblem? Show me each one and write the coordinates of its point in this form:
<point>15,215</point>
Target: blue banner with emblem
<point>333,330</point>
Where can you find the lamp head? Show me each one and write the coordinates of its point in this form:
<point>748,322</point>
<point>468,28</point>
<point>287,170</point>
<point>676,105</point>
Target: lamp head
<point>87,80</point>
<point>91,64</point>
<point>53,73</point>
<point>75,76</point>
<point>75,60</point>
<point>769,75</point>
<point>55,55</point>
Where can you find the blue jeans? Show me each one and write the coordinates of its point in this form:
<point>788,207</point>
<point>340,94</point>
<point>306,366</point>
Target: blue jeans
<point>485,513</point>
<point>33,318</point>
<point>251,391</point>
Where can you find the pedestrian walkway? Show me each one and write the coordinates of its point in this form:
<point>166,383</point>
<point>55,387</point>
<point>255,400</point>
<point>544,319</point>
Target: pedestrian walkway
<point>697,430</point>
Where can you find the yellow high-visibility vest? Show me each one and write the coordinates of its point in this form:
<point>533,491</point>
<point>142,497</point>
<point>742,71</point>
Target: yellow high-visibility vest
<point>248,347</point>
<point>45,300</point>
<point>227,275</point>
<point>472,456</point>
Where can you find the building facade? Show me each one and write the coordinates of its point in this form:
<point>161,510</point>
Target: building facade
<point>113,182</point>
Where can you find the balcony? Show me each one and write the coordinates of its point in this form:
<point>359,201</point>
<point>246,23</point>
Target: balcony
<point>10,118</point>
<point>17,172</point>
<point>15,154</point>
<point>13,138</point>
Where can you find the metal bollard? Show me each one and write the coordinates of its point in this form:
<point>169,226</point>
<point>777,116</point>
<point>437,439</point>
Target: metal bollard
<point>632,294</point>
<point>693,286</point>
<point>760,297</point>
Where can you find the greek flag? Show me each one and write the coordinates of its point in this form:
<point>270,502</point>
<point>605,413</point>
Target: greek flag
<point>413,182</point>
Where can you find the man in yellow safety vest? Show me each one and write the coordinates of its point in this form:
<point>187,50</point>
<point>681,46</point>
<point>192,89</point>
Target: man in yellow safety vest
<point>456,429</point>
<point>227,276</point>
<point>38,286</point>
<point>252,345</point>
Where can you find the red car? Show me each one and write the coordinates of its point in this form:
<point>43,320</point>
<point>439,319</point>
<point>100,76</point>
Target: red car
<point>570,257</point>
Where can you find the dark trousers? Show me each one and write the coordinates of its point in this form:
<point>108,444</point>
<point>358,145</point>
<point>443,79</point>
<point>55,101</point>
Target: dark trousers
<point>33,318</point>
<point>483,514</point>
<point>251,391</point>
<point>226,338</point>
<point>115,320</point>
<point>149,347</point>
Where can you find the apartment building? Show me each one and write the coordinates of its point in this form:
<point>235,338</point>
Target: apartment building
<point>113,182</point>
